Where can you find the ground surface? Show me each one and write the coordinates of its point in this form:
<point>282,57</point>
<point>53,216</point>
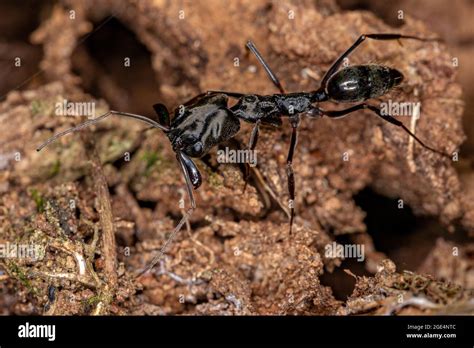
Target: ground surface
<point>239,258</point>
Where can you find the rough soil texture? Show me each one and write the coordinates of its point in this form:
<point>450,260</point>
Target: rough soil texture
<point>238,257</point>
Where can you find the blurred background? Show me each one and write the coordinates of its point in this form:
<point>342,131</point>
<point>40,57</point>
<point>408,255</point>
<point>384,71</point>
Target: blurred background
<point>169,66</point>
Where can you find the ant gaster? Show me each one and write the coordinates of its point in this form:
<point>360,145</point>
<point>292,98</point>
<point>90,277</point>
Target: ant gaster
<point>207,119</point>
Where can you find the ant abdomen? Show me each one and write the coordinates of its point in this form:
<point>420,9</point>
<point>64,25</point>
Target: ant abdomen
<point>361,82</point>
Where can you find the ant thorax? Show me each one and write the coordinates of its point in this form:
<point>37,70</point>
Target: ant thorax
<point>292,104</point>
<point>254,107</point>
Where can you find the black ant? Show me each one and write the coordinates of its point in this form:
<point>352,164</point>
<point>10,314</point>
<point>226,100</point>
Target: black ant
<point>207,120</point>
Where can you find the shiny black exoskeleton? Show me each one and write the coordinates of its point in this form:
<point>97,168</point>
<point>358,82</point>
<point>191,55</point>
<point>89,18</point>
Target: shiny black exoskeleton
<point>362,82</point>
<point>208,119</point>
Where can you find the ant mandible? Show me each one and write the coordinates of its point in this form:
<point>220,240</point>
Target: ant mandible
<point>207,120</point>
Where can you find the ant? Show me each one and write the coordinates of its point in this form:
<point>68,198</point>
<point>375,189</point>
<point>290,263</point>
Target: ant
<point>207,119</point>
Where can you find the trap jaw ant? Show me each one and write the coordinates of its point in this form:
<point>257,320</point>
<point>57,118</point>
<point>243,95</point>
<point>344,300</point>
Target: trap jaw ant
<point>207,119</point>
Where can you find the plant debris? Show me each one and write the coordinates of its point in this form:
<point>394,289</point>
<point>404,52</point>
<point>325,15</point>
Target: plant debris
<point>100,206</point>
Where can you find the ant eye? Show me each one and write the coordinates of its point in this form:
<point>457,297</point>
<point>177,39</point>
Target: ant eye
<point>197,147</point>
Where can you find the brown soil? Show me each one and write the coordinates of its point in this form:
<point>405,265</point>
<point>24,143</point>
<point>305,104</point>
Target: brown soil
<point>72,198</point>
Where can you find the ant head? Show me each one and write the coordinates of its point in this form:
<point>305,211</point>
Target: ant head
<point>201,128</point>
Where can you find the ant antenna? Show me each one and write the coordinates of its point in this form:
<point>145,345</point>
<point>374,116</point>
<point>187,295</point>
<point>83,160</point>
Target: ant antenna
<point>98,119</point>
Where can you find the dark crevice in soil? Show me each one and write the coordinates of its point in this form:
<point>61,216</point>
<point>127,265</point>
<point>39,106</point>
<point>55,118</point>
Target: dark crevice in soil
<point>405,238</point>
<point>221,238</point>
<point>341,283</point>
<point>115,65</point>
<point>195,225</point>
<point>19,20</point>
<point>147,204</point>
<point>395,232</point>
<point>387,13</point>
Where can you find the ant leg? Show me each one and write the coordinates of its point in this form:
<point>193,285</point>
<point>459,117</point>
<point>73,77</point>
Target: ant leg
<point>98,119</point>
<point>289,168</point>
<point>254,137</point>
<point>251,46</point>
<point>388,118</point>
<point>361,39</point>
<point>183,220</point>
<point>252,144</point>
